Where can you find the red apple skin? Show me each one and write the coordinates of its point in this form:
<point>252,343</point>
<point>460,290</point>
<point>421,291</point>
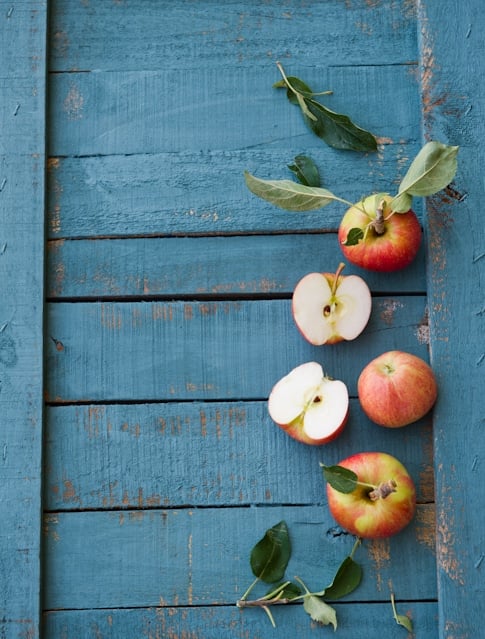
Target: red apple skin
<point>395,249</point>
<point>358,514</point>
<point>396,389</point>
<point>295,430</point>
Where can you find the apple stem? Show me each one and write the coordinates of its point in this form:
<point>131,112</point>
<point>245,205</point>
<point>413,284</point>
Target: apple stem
<point>383,490</point>
<point>378,223</point>
<point>338,272</point>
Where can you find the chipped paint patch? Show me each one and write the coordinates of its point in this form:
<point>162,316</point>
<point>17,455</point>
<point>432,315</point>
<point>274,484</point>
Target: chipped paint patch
<point>425,527</point>
<point>73,103</point>
<point>69,494</point>
<point>426,478</point>
<point>446,539</point>
<point>55,188</point>
<point>61,43</point>
<point>423,331</point>
<point>380,552</point>
<point>389,308</point>
<point>110,317</point>
<point>162,312</point>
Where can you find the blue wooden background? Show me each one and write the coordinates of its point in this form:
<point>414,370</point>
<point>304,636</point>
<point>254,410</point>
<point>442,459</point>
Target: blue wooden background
<point>146,312</point>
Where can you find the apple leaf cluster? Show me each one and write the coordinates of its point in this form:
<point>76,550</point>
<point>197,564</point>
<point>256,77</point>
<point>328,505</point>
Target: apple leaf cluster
<point>336,129</point>
<point>269,559</point>
<point>432,169</point>
<point>380,232</point>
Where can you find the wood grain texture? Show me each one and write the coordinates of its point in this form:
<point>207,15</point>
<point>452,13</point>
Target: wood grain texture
<point>373,620</point>
<point>241,266</point>
<point>201,556</point>
<point>169,312</point>
<point>204,454</point>
<point>22,147</point>
<point>454,108</point>
<point>234,33</point>
<point>128,112</point>
<point>206,350</point>
<point>203,192</point>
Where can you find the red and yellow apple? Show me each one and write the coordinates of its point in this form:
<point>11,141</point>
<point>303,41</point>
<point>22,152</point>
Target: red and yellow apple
<point>396,389</point>
<point>331,307</point>
<point>373,237</point>
<point>382,503</point>
<point>309,406</point>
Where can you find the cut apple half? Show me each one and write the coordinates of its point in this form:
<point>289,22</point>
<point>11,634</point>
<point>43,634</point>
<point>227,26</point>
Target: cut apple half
<point>309,406</point>
<point>329,307</point>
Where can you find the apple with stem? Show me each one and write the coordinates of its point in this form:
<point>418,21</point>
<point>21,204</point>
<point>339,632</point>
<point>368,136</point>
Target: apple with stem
<point>374,237</point>
<point>370,494</point>
<point>396,389</point>
<point>308,405</point>
<point>330,307</point>
<point>380,232</point>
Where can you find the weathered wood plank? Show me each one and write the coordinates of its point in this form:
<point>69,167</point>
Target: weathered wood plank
<point>190,350</point>
<point>201,556</point>
<point>216,266</point>
<point>204,192</point>
<point>369,620</point>
<point>22,165</point>
<point>93,456</point>
<point>454,108</point>
<point>234,33</point>
<point>128,112</point>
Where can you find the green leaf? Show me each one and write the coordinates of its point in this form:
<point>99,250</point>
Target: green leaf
<point>270,556</point>
<point>340,478</point>
<point>290,195</point>
<point>431,170</point>
<point>402,203</point>
<point>354,236</point>
<point>401,620</point>
<point>346,580</point>
<point>338,130</point>
<point>319,610</point>
<point>305,170</point>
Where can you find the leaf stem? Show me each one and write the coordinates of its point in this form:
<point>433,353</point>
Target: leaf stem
<point>271,618</point>
<point>246,594</point>
<point>357,543</point>
<point>287,82</point>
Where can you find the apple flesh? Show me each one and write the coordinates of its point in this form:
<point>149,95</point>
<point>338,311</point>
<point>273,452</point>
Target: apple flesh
<point>330,307</point>
<point>309,406</point>
<point>396,389</point>
<point>382,504</point>
<point>391,247</point>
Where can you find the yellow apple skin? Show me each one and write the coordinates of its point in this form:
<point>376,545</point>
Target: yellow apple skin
<point>396,389</point>
<point>362,517</point>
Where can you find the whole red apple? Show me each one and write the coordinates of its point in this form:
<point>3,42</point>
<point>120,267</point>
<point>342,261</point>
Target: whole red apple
<point>383,501</point>
<point>396,389</point>
<point>388,245</point>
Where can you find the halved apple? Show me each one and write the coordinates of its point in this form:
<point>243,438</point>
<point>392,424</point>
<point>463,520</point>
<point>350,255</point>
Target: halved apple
<point>308,405</point>
<point>330,307</point>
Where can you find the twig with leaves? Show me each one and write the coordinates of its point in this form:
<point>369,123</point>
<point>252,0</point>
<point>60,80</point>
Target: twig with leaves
<point>269,560</point>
